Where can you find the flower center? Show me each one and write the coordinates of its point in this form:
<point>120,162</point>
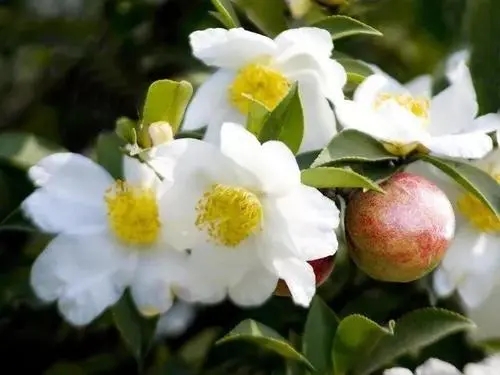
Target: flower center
<point>478,214</point>
<point>419,106</point>
<point>228,214</point>
<point>260,82</point>
<point>133,214</point>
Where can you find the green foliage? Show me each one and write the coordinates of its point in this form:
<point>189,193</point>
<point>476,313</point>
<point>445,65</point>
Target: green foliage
<point>268,16</point>
<point>109,155</point>
<point>265,337</point>
<point>342,26</point>
<point>328,177</point>
<point>225,13</point>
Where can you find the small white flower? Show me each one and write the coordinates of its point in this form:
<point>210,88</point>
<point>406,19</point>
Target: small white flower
<point>109,235</point>
<point>251,64</point>
<point>433,366</point>
<point>472,261</point>
<point>405,118</point>
<point>249,220</point>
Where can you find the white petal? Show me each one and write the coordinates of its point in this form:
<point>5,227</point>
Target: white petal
<point>72,176</point>
<point>486,317</point>
<point>299,277</point>
<point>435,366</point>
<point>53,213</point>
<point>487,123</point>
<point>85,274</point>
<point>376,84</point>
<point>225,113</point>
<point>452,110</point>
<point>176,321</point>
<point>420,86</point>
<point>207,99</point>
<point>311,39</point>
<point>137,173</point>
<point>468,145</point>
<point>157,275</point>
<point>255,288</point>
<point>230,48</point>
<point>319,119</point>
<point>443,284</point>
<point>454,62</point>
<point>398,371</point>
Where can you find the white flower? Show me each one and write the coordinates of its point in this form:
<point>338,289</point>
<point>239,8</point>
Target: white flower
<point>249,221</point>
<point>485,316</point>
<point>109,235</point>
<point>472,261</point>
<point>251,64</point>
<point>405,118</point>
<point>433,366</point>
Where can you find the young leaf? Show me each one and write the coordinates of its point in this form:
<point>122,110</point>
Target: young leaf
<point>356,66</point>
<point>268,16</point>
<point>343,26</point>
<point>256,117</point>
<point>226,14</point>
<point>473,179</point>
<point>317,343</point>
<point>109,154</point>
<point>352,145</point>
<point>355,339</point>
<point>286,122</point>
<point>136,331</point>
<point>23,150</point>
<point>166,100</point>
<point>413,331</point>
<point>254,332</point>
<point>329,177</point>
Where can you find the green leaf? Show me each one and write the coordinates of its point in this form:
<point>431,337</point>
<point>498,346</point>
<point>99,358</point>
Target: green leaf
<point>257,117</point>
<point>23,150</point>
<point>319,331</point>
<point>125,129</point>
<point>226,12</point>
<point>268,16</point>
<point>357,67</point>
<point>109,154</point>
<point>265,337</point>
<point>329,177</point>
<point>490,346</point>
<point>413,331</point>
<point>17,222</point>
<point>166,100</point>
<point>483,27</point>
<point>355,339</point>
<point>286,122</point>
<point>352,145</point>
<point>475,180</point>
<point>136,331</point>
<point>343,26</point>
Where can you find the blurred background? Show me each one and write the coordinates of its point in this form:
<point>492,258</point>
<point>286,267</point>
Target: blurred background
<point>68,70</point>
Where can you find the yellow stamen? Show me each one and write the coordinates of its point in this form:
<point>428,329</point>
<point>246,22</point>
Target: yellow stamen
<point>478,214</point>
<point>417,105</point>
<point>133,214</point>
<point>260,82</point>
<point>229,214</point>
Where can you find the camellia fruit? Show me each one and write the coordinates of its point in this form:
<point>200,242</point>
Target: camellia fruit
<point>322,267</point>
<point>403,234</point>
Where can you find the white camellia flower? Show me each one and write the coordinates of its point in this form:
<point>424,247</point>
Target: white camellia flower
<point>433,366</point>
<point>109,235</point>
<point>472,262</point>
<point>407,118</point>
<point>253,65</point>
<point>251,220</point>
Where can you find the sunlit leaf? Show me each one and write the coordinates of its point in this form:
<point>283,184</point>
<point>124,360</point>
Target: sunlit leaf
<point>329,177</point>
<point>343,26</point>
<point>227,15</point>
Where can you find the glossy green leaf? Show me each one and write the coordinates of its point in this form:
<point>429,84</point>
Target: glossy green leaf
<point>109,154</point>
<point>355,339</point>
<point>136,331</point>
<point>167,100</point>
<point>268,15</point>
<point>329,177</point>
<point>473,179</point>
<point>23,150</point>
<point>343,26</point>
<point>227,15</point>
<point>286,122</point>
<point>257,117</point>
<point>483,28</point>
<point>352,145</point>
<point>319,331</point>
<point>413,331</point>
<point>266,338</point>
<point>357,67</point>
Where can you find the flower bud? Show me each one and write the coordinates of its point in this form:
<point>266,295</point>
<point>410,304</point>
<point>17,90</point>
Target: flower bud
<point>160,133</point>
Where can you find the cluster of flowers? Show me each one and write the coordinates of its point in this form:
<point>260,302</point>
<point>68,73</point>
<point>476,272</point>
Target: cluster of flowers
<point>433,366</point>
<point>201,220</point>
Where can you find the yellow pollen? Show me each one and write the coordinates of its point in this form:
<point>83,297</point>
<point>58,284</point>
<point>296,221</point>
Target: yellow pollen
<point>133,214</point>
<point>228,214</point>
<point>260,82</point>
<point>417,105</point>
<point>478,214</point>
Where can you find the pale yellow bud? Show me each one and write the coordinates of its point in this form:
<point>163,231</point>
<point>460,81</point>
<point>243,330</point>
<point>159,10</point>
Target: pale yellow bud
<point>160,133</point>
